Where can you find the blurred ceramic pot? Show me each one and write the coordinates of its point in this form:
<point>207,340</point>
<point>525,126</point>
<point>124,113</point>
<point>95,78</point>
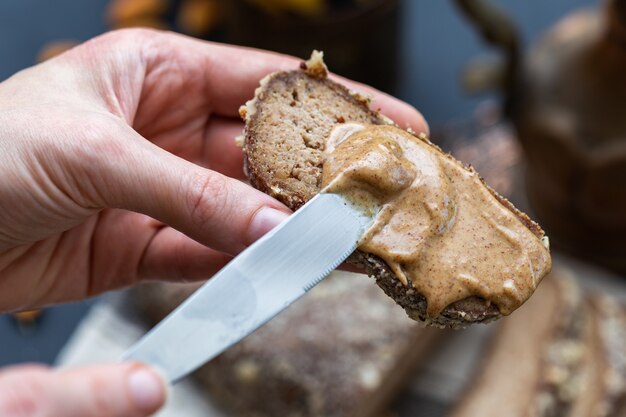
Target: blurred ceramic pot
<point>567,100</point>
<point>359,38</point>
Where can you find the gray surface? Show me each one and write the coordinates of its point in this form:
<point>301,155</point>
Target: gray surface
<point>437,43</point>
<point>26,25</point>
<point>43,342</point>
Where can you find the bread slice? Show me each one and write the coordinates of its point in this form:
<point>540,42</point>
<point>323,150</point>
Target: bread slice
<point>590,374</point>
<point>287,123</point>
<point>603,394</point>
<point>570,363</point>
<point>343,350</point>
<point>591,389</point>
<point>535,358</point>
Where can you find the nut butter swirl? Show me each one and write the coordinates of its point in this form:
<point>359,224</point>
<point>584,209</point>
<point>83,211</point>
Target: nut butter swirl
<point>440,228</point>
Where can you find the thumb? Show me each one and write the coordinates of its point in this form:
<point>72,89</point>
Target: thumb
<point>216,210</point>
<point>119,390</point>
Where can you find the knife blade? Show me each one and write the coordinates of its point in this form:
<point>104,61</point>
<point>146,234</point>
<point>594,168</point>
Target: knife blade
<point>255,286</point>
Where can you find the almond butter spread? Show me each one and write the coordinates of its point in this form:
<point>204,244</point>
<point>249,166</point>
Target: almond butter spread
<point>439,227</point>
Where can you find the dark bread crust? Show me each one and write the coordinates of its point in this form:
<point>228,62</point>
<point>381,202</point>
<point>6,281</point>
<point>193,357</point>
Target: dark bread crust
<point>262,162</point>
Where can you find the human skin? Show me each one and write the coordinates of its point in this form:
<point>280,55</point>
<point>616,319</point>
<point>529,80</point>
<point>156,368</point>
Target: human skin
<point>118,165</point>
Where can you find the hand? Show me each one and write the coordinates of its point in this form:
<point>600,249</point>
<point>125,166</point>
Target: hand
<point>118,164</point>
<point>124,390</point>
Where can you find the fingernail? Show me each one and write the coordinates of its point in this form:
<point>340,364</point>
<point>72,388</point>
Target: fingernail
<point>147,389</point>
<point>265,220</point>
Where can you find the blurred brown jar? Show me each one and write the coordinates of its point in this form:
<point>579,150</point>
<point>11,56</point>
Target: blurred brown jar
<point>572,123</point>
<point>567,100</point>
<point>359,37</point>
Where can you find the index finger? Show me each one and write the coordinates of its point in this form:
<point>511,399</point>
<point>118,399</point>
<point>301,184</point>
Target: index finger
<point>233,73</point>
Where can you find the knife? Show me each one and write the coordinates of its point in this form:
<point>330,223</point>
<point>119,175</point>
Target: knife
<point>255,286</point>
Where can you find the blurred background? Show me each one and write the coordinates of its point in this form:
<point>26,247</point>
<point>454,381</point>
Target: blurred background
<point>422,51</point>
<point>427,44</point>
<point>433,44</point>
